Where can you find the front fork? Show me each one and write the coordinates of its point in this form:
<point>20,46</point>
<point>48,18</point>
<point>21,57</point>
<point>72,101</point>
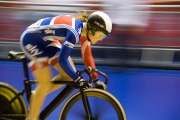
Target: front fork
<point>86,105</point>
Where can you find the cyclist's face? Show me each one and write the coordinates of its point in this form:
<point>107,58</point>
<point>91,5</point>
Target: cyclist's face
<point>97,37</point>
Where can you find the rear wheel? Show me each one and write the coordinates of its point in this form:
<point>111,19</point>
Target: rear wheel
<point>17,109</point>
<point>103,106</point>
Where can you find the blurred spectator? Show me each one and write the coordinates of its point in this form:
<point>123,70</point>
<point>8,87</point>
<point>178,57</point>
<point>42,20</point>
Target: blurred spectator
<point>95,2</point>
<point>9,25</point>
<point>14,21</point>
<point>128,16</point>
<point>38,15</point>
<point>130,19</point>
<point>9,4</point>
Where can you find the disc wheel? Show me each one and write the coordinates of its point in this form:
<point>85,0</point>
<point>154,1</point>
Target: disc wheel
<point>17,109</point>
<point>103,105</point>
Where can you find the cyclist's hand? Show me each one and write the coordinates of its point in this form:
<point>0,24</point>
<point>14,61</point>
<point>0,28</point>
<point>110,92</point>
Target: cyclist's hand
<point>82,83</point>
<point>99,84</point>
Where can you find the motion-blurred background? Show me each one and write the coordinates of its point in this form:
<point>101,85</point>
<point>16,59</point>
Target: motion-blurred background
<point>146,34</point>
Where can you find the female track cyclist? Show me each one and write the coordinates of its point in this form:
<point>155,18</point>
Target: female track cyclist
<point>50,41</point>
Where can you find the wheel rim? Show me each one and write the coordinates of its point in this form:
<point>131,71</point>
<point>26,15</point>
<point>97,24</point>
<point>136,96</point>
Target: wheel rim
<point>101,109</point>
<point>17,110</point>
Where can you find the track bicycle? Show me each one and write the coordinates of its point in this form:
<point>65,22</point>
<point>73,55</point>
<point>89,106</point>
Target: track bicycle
<point>86,104</point>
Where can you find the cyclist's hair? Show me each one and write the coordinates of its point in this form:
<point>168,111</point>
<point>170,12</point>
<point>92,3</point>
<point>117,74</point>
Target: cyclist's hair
<point>83,16</point>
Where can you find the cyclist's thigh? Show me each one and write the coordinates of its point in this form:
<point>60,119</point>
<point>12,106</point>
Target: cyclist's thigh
<point>53,60</point>
<point>33,46</point>
<point>63,75</point>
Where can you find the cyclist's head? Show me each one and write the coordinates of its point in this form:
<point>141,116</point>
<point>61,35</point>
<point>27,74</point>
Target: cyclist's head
<point>99,24</point>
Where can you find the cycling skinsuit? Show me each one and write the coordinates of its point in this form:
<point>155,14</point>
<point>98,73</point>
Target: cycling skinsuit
<point>51,40</point>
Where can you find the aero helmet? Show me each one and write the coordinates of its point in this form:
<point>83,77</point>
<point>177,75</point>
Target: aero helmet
<point>99,21</point>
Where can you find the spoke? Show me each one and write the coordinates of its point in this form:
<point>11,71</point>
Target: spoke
<point>102,106</point>
<point>101,109</point>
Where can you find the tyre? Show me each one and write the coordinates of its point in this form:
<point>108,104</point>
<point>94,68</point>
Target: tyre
<point>17,110</point>
<point>103,105</point>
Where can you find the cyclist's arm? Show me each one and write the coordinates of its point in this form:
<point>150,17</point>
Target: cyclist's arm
<point>87,55</point>
<point>65,52</point>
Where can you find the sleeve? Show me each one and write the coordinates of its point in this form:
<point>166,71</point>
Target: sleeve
<point>65,52</point>
<point>87,55</point>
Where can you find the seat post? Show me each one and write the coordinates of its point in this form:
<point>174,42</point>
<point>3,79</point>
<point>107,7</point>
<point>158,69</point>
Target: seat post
<point>25,68</point>
<point>27,83</point>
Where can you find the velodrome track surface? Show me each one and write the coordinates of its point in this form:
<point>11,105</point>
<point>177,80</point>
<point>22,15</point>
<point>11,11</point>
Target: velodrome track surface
<point>145,94</point>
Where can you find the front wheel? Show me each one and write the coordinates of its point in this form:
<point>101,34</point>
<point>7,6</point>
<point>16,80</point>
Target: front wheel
<point>103,105</point>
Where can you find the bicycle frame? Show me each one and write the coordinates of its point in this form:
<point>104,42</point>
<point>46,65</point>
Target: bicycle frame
<point>70,86</point>
<point>56,101</point>
<point>61,96</point>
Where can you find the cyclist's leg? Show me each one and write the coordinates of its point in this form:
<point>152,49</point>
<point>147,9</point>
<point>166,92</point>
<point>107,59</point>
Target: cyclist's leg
<point>33,46</point>
<point>43,75</point>
<point>53,51</point>
<point>62,75</point>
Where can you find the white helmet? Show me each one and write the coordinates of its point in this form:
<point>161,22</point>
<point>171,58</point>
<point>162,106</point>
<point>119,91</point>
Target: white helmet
<point>99,21</point>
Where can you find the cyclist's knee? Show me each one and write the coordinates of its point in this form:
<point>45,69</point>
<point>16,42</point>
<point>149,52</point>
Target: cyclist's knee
<point>61,77</point>
<point>44,88</point>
